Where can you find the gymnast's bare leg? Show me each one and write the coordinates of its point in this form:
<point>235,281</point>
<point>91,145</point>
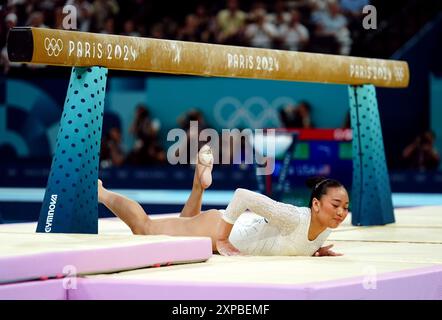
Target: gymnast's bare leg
<point>201,181</point>
<point>195,224</point>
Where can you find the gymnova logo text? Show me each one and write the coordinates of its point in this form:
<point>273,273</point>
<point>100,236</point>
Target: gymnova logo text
<point>51,213</point>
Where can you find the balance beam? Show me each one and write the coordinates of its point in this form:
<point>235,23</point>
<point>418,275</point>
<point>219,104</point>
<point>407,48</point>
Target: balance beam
<point>81,49</point>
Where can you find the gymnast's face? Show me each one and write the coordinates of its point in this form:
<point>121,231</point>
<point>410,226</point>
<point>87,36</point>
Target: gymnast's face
<point>332,209</point>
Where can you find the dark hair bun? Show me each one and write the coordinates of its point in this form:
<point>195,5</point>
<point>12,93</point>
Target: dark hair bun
<point>313,181</point>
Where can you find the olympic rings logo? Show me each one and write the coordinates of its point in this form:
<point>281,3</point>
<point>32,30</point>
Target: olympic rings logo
<point>255,112</point>
<point>53,46</point>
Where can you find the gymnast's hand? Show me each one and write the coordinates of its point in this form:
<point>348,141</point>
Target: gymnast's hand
<point>223,245</point>
<point>325,251</point>
<point>225,248</point>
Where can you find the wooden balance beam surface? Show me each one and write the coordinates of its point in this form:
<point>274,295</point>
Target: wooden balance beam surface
<point>81,49</point>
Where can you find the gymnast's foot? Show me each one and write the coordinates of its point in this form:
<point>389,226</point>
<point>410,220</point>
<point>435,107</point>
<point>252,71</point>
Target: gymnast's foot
<point>101,191</point>
<point>203,172</point>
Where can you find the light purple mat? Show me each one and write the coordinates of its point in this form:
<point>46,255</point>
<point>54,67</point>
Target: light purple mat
<point>103,260</point>
<point>35,290</point>
<point>422,283</point>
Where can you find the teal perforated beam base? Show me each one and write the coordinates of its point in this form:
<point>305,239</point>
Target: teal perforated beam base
<point>70,201</point>
<point>371,202</point>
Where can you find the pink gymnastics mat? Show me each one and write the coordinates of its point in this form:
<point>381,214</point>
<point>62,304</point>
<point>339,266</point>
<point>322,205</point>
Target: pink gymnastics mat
<point>31,256</point>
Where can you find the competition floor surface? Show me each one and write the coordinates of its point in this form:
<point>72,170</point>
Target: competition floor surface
<point>397,261</point>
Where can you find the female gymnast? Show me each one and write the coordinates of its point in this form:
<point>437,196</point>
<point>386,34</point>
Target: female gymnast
<point>252,223</point>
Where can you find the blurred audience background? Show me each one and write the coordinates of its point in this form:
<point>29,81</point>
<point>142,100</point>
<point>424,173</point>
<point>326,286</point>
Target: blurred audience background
<point>326,26</point>
<point>322,26</point>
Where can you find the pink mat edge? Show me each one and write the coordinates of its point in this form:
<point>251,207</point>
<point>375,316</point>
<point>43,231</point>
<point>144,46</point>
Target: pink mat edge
<point>420,283</point>
<point>34,290</point>
<point>22,268</point>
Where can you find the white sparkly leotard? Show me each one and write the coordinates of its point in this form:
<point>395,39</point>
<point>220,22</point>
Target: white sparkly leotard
<point>271,227</point>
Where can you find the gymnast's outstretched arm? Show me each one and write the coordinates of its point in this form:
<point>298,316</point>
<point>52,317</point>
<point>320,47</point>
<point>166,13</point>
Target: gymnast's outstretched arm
<point>277,213</point>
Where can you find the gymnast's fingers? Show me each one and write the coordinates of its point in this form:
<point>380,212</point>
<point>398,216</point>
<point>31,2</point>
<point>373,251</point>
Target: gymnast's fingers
<point>334,254</point>
<point>328,247</point>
